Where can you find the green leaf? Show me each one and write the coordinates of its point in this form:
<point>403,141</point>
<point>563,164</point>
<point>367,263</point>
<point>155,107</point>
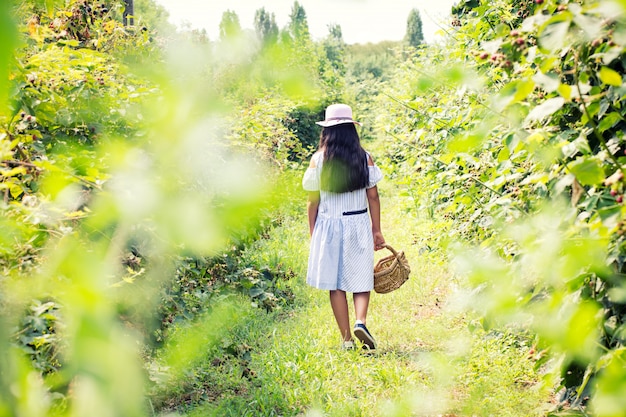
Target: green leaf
<point>16,190</point>
<point>13,172</point>
<point>609,121</point>
<point>455,74</point>
<point>535,139</point>
<point>553,35</point>
<point>256,291</point>
<point>424,84</point>
<point>610,77</point>
<point>610,392</point>
<point>588,171</point>
<point>69,42</point>
<point>565,91</point>
<point>617,295</point>
<point>545,109</point>
<point>525,87</point>
<point>546,64</point>
<point>465,143</point>
<point>50,7</point>
<point>512,142</point>
<point>514,92</point>
<point>591,25</point>
<point>504,154</point>
<point>8,39</point>
<point>549,82</point>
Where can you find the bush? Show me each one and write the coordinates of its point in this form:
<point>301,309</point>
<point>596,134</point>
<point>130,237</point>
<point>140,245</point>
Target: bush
<point>517,116</point>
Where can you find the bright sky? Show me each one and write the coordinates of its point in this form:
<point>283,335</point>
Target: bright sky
<point>361,21</point>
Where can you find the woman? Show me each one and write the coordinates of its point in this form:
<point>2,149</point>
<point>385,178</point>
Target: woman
<point>341,181</point>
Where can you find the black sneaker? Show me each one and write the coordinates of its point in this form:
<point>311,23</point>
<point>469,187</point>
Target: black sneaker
<point>361,333</point>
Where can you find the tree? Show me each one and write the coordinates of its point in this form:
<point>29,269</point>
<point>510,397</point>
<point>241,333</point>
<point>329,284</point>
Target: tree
<point>334,32</point>
<point>229,26</point>
<point>414,36</point>
<point>153,15</point>
<point>265,26</point>
<point>298,25</point>
<point>334,47</point>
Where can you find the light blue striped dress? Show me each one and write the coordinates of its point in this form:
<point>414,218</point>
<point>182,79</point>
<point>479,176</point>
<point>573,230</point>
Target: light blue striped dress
<point>342,247</point>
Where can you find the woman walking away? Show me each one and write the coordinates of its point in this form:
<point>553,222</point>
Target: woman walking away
<point>341,181</point>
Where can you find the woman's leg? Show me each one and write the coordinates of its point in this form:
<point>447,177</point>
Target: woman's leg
<point>361,304</point>
<point>339,303</point>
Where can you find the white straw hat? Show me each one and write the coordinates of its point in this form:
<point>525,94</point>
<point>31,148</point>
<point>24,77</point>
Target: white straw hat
<point>337,114</point>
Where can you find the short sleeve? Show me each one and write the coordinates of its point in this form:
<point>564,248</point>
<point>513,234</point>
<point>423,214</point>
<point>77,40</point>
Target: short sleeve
<point>310,181</point>
<point>375,175</point>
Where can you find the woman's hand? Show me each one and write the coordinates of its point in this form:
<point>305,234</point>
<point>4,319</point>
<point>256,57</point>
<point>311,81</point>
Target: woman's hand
<point>374,205</point>
<point>379,241</point>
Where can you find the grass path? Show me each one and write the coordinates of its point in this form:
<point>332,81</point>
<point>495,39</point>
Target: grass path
<point>428,362</point>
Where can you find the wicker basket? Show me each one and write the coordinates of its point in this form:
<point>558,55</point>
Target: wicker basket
<point>391,272</point>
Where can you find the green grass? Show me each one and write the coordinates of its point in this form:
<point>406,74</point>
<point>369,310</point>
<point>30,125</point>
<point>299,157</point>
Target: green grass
<point>428,361</point>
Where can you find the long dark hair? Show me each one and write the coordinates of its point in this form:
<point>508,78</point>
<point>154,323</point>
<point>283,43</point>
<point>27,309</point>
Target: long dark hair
<point>345,161</point>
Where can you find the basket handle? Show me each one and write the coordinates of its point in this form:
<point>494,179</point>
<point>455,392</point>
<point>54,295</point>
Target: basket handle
<point>392,250</point>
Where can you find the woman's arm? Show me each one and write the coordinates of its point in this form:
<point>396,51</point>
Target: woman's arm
<point>374,206</point>
<point>312,205</point>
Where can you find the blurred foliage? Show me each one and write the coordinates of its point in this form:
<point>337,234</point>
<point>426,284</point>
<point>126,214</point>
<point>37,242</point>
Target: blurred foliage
<point>137,165</point>
<point>122,190</point>
<point>513,129</point>
<point>229,26</point>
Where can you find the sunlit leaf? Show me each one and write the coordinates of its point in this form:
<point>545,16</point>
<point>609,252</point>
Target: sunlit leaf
<point>515,92</point>
<point>524,88</point>
<point>610,396</point>
<point>588,171</point>
<point>504,154</point>
<point>50,7</point>
<point>16,190</point>
<point>545,109</point>
<point>554,33</point>
<point>618,295</point>
<point>535,139</point>
<point>590,25</point>
<point>424,84</point>
<point>582,331</point>
<point>609,121</point>
<point>547,64</point>
<point>464,143</point>
<point>549,82</point>
<point>8,39</point>
<point>610,76</point>
<point>69,42</point>
<point>565,91</point>
<point>12,172</point>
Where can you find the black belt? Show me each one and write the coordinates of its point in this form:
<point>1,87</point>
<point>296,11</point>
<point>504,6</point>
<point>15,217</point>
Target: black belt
<point>352,213</point>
